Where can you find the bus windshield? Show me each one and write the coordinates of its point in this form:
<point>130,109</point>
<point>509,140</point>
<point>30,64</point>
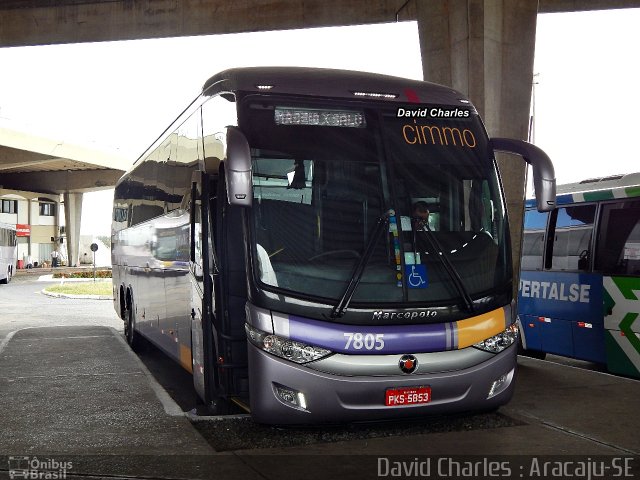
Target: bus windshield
<point>323,177</point>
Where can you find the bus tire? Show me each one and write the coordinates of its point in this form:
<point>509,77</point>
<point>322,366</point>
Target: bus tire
<point>7,279</point>
<point>131,335</point>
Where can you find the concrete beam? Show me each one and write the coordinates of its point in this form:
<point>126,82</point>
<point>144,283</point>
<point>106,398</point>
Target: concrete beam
<point>559,6</point>
<point>20,147</point>
<point>40,22</point>
<point>37,22</point>
<point>61,181</point>
<point>485,48</point>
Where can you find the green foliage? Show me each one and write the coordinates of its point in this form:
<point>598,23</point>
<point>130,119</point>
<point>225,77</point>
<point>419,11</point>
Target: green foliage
<point>83,288</point>
<point>83,274</point>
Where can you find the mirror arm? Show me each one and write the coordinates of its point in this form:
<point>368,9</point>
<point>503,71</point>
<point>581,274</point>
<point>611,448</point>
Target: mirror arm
<point>544,177</point>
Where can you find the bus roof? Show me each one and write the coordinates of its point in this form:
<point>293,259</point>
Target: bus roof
<point>595,189</point>
<point>331,83</point>
<point>321,82</point>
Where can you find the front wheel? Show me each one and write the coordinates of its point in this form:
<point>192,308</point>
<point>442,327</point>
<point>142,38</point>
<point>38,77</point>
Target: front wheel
<point>8,278</point>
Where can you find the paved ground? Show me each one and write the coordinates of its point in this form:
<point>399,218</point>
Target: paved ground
<point>22,305</point>
<point>72,393</point>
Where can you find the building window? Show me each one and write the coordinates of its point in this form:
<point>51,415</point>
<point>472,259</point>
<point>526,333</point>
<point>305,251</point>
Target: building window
<point>47,209</point>
<point>9,206</point>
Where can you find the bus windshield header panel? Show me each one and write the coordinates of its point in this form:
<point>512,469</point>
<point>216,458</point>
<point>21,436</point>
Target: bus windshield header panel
<point>333,182</point>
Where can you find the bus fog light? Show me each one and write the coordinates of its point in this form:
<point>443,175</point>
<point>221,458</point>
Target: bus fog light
<point>500,384</point>
<point>302,401</point>
<point>501,341</point>
<point>290,397</point>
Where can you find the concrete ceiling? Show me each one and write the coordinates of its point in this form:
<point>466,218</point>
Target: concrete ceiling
<point>28,162</point>
<point>37,22</point>
<point>36,164</point>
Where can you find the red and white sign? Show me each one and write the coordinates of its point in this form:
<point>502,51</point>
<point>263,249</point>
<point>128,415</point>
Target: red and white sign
<point>407,396</point>
<point>23,230</point>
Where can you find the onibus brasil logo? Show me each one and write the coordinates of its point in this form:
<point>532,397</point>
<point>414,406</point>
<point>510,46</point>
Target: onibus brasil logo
<point>38,468</point>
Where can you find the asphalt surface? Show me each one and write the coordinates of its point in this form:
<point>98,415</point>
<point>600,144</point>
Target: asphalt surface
<point>23,306</point>
<point>73,393</point>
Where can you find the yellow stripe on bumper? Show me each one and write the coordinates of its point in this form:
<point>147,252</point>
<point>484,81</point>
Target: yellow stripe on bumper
<point>476,329</point>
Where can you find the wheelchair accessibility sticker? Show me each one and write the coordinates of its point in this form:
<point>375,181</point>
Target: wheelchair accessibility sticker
<point>416,276</point>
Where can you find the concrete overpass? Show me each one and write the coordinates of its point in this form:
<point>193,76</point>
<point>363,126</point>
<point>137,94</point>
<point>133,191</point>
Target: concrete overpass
<point>39,22</point>
<point>43,165</point>
<point>484,48</point>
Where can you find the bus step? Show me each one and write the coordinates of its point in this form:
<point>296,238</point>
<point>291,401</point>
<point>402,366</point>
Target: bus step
<point>233,338</point>
<point>241,402</point>
<point>232,365</point>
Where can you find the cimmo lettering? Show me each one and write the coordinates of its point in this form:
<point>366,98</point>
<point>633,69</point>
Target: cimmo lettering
<point>434,135</point>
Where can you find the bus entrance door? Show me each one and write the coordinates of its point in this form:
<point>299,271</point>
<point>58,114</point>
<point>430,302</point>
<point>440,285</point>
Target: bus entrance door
<point>198,304</point>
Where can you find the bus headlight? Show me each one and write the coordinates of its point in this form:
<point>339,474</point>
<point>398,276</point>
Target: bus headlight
<point>292,350</point>
<point>499,342</point>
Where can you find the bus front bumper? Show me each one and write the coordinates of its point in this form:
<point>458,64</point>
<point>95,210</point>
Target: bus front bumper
<point>275,385</point>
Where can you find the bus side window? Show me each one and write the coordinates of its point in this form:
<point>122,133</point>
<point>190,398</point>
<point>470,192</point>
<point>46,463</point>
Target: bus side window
<point>572,240</point>
<point>619,239</point>
<point>535,224</point>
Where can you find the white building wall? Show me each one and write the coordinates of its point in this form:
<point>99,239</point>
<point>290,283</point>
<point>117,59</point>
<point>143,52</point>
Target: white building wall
<point>38,246</point>
<point>36,218</point>
<point>23,212</point>
<point>11,218</point>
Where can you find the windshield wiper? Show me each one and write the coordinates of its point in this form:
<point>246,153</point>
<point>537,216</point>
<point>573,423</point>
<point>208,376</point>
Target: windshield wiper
<point>448,266</point>
<point>358,271</point>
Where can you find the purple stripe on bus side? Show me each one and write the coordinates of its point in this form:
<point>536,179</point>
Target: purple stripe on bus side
<point>368,339</point>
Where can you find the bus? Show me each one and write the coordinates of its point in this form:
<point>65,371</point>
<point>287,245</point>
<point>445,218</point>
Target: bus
<point>8,252</point>
<point>578,292</point>
<point>265,242</point>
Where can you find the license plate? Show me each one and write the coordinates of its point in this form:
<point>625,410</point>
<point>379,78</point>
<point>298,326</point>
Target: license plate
<point>407,396</point>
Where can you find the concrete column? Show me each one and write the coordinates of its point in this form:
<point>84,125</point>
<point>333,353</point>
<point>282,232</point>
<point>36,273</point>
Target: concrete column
<point>72,215</point>
<point>485,49</point>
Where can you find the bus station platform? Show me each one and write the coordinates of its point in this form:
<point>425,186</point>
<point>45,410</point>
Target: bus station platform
<point>78,399</point>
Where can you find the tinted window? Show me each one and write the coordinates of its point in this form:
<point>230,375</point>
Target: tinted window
<point>535,224</point>
<point>319,191</point>
<point>571,244</point>
<point>619,239</point>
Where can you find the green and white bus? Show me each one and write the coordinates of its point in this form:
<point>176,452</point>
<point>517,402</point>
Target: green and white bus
<point>579,292</point>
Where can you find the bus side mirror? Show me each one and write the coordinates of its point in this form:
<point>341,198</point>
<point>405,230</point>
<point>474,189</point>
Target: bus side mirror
<point>238,169</point>
<point>544,176</point>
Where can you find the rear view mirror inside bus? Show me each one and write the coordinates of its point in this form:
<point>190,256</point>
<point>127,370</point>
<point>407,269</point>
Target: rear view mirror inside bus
<point>544,177</point>
<point>238,169</point>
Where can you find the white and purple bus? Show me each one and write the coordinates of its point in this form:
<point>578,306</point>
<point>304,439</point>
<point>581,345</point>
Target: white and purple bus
<point>325,246</point>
